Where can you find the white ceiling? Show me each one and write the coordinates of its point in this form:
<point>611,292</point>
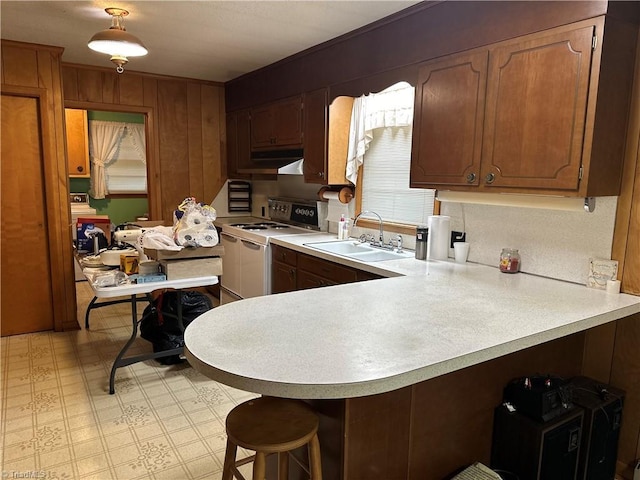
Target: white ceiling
<point>212,40</point>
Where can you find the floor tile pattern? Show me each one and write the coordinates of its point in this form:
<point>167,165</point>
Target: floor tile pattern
<point>58,421</point>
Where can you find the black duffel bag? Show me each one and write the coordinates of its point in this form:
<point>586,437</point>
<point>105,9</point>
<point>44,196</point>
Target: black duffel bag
<point>159,323</point>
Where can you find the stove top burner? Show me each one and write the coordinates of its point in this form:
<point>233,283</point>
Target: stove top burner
<point>267,224</point>
<point>280,227</point>
<point>254,227</point>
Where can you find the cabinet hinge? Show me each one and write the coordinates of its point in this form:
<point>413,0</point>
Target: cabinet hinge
<point>594,42</point>
<point>580,172</point>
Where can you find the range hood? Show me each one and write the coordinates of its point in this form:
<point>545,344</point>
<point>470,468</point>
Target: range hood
<point>294,168</point>
<point>275,162</point>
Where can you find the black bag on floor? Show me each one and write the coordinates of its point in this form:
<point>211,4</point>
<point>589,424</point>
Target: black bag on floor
<point>159,323</point>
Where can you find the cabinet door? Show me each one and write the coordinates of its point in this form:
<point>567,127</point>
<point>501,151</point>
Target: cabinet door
<point>284,278</point>
<point>309,280</point>
<point>448,120</point>
<point>288,123</point>
<point>536,108</point>
<point>277,125</point>
<point>77,134</point>
<point>262,127</point>
<point>330,271</point>
<point>238,143</point>
<point>315,136</point>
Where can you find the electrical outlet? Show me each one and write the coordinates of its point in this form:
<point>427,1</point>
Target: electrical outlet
<point>457,237</point>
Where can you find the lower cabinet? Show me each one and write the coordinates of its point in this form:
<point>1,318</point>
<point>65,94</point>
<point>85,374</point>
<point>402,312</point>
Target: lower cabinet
<point>297,271</point>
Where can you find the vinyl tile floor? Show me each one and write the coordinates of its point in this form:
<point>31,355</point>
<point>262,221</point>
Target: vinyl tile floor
<point>58,420</point>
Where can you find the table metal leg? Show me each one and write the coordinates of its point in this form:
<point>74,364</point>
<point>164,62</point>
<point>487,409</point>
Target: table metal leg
<point>95,304</point>
<point>86,316</point>
<point>122,361</point>
<point>134,334</point>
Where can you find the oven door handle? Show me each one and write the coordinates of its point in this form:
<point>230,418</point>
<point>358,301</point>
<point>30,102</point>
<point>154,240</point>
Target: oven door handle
<point>252,245</point>
<point>229,237</point>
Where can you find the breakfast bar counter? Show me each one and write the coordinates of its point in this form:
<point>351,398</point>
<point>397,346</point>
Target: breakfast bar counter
<point>372,337</point>
<point>414,361</point>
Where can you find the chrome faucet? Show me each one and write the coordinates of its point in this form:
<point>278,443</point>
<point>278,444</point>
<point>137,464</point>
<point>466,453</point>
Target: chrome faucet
<point>380,241</point>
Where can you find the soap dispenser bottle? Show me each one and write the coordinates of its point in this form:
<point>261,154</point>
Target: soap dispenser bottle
<point>342,228</point>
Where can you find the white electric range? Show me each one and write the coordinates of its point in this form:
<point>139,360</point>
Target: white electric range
<point>246,264</point>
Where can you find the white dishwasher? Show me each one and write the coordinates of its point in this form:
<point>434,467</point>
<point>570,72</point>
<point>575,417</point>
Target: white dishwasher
<point>244,269</point>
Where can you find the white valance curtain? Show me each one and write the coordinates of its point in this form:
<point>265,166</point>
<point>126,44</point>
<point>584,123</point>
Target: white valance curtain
<point>104,143</point>
<point>392,107</point>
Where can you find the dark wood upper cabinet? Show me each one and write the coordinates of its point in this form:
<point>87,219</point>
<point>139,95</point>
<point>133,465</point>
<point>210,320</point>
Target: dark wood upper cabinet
<point>238,142</point>
<point>316,123</point>
<point>326,138</point>
<point>527,115</point>
<point>277,125</point>
<point>536,111</point>
<point>448,125</point>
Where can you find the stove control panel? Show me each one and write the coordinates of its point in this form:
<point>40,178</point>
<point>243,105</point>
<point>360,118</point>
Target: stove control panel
<point>303,213</point>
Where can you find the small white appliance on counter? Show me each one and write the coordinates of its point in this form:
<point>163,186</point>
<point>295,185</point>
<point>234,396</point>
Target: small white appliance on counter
<point>246,263</point>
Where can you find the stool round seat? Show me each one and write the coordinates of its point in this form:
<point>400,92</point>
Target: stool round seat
<point>272,425</point>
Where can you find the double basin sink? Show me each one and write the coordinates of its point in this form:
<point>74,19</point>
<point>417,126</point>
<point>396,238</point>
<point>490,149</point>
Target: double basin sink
<point>358,251</point>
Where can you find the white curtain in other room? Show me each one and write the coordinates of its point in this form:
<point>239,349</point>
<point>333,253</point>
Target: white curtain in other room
<point>392,107</point>
<point>137,135</point>
<point>104,139</point>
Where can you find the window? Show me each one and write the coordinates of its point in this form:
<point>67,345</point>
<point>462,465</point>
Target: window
<point>127,173</point>
<point>385,179</point>
<point>380,154</point>
<point>118,158</point>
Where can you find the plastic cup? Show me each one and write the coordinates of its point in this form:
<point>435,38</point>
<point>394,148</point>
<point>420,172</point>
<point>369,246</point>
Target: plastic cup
<point>460,251</point>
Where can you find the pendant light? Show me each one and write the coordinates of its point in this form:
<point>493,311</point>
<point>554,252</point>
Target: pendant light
<point>116,41</point>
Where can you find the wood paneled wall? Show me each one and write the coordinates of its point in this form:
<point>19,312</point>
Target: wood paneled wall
<point>186,128</point>
<point>612,351</point>
<point>28,67</point>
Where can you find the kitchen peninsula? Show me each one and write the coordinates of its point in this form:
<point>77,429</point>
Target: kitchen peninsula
<point>404,371</point>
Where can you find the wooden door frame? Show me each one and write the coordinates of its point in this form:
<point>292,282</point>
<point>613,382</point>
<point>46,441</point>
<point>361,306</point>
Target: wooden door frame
<point>153,164</point>
<point>60,257</point>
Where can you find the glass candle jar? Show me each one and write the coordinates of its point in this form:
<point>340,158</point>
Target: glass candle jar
<point>509,260</point>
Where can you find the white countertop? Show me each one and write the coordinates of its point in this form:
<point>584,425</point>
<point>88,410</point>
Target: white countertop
<point>376,336</point>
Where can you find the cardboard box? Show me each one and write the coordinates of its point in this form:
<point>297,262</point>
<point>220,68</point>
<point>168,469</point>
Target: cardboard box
<point>129,263</point>
<point>83,224</point>
<point>187,252</point>
<point>191,268</point>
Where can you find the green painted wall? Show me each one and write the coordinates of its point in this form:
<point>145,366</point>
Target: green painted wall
<point>121,209</point>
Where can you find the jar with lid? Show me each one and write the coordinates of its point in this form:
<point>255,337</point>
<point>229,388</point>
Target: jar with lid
<point>509,260</point>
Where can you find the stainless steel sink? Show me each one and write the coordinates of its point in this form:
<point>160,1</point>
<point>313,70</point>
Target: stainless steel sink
<point>358,251</point>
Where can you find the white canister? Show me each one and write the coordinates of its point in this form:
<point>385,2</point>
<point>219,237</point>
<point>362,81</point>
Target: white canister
<point>439,237</point>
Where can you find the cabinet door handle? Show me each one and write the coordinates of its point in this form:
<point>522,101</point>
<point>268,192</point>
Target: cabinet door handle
<point>80,168</point>
<point>321,174</point>
<point>471,178</point>
<point>490,177</point>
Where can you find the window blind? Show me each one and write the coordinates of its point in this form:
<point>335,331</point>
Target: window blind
<point>385,179</point>
<point>127,173</point>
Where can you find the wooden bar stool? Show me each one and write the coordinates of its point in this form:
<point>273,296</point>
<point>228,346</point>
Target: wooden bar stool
<point>271,425</point>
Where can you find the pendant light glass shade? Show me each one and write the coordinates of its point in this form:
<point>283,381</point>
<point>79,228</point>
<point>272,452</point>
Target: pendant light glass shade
<point>116,41</point>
